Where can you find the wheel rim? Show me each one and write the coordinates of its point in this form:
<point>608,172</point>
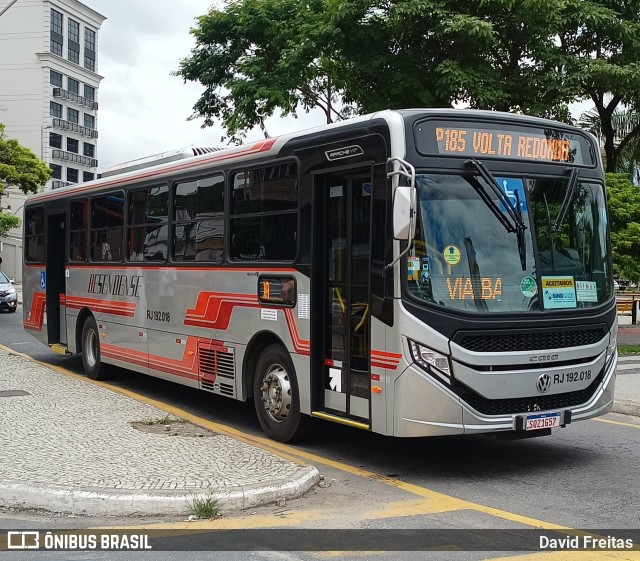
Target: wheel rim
<point>91,348</point>
<point>276,393</point>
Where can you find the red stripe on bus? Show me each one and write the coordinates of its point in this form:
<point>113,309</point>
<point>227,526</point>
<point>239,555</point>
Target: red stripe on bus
<point>384,365</point>
<point>382,354</point>
<point>112,307</point>
<point>213,309</point>
<point>36,316</point>
<point>216,268</point>
<point>301,346</point>
<point>186,367</point>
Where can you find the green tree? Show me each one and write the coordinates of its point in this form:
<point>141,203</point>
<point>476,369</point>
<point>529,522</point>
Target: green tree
<point>624,220</point>
<point>254,57</point>
<point>21,168</point>
<point>601,43</point>
<point>624,120</point>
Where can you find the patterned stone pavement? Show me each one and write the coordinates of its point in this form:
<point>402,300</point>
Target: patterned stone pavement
<point>68,445</point>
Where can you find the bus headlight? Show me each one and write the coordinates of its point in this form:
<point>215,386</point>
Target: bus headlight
<point>432,361</point>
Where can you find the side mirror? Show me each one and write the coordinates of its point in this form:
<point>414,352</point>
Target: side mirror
<point>402,212</point>
<point>12,281</point>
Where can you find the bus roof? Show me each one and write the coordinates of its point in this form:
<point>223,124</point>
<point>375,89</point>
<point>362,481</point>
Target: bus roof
<point>192,158</point>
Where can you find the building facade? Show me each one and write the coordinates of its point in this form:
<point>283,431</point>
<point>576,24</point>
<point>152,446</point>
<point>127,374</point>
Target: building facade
<point>49,85</point>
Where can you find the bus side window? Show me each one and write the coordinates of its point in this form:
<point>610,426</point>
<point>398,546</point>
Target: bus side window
<point>78,230</point>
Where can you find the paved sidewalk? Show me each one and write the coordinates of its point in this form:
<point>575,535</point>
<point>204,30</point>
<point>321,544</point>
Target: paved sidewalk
<point>68,445</point>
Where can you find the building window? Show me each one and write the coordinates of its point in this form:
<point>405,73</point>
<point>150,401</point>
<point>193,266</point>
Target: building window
<point>56,36</point>
<point>78,230</point>
<point>55,109</point>
<point>72,175</point>
<point>34,235</point>
<point>89,49</point>
<point>74,41</point>
<point>89,149</point>
<point>198,216</point>
<point>89,92</point>
<point>89,121</point>
<point>107,222</point>
<point>88,176</point>
<point>73,86</point>
<point>56,171</point>
<point>264,213</point>
<point>72,145</point>
<point>55,78</point>
<point>148,224</point>
<point>73,116</point>
<point>55,141</point>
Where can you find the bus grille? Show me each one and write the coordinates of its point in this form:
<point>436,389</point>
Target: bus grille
<point>530,341</point>
<point>530,404</point>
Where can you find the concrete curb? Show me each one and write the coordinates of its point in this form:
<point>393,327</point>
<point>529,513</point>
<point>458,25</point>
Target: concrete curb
<point>627,407</point>
<point>97,502</point>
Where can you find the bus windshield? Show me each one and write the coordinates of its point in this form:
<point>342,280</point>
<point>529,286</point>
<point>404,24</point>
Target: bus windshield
<point>548,252</point>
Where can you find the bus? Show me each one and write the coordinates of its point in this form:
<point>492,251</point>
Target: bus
<point>409,273</point>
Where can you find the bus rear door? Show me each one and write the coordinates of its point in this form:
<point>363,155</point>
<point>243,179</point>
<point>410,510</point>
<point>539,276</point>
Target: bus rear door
<point>55,281</point>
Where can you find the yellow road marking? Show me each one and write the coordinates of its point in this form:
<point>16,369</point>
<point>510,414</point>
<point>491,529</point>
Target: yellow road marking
<point>612,422</point>
<point>439,502</point>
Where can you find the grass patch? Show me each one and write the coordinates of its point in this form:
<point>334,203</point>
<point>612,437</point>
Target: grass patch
<point>166,420</point>
<point>629,349</point>
<point>203,506</point>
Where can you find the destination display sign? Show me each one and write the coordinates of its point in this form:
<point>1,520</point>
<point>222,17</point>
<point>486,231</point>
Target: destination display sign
<point>491,140</point>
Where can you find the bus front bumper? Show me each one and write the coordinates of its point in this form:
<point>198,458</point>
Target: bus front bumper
<point>425,407</point>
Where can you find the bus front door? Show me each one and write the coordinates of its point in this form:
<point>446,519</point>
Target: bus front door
<point>344,242</point>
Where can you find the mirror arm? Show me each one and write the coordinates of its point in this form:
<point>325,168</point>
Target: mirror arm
<point>404,169</point>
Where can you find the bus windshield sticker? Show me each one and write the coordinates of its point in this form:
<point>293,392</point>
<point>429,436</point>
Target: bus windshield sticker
<point>451,255</point>
<point>528,287</point>
<point>413,268</point>
<point>558,292</point>
<point>586,291</point>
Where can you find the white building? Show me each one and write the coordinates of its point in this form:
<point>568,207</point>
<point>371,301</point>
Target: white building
<point>48,96</point>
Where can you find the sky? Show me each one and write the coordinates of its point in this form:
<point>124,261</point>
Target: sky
<point>143,109</point>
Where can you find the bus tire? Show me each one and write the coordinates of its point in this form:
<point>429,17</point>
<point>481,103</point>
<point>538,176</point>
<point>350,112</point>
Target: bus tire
<point>91,362</point>
<point>276,396</point>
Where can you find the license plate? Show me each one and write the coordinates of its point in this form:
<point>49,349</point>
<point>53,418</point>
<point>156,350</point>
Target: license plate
<point>542,421</point>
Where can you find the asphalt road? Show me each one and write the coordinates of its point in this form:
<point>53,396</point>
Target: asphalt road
<point>583,476</point>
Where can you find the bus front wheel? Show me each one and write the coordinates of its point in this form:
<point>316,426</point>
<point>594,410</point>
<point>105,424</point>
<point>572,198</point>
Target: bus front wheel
<point>91,350</point>
<point>276,396</point>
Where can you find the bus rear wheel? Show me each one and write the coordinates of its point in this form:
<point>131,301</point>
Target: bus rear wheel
<point>276,396</point>
<point>91,362</point>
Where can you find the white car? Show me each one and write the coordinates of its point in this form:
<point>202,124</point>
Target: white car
<point>8,295</point>
<point>616,286</point>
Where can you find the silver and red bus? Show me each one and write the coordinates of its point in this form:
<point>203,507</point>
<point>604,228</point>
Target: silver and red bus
<point>410,273</point>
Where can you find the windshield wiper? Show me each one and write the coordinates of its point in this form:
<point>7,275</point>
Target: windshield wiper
<point>568,199</point>
<point>474,273</point>
<point>510,218</point>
